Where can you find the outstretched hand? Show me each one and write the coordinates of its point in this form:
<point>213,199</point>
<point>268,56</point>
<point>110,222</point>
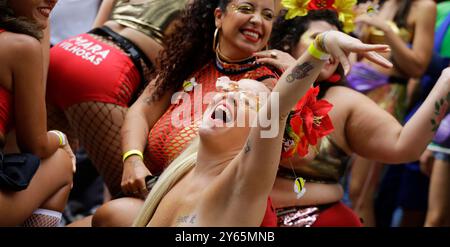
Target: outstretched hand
<point>339,44</point>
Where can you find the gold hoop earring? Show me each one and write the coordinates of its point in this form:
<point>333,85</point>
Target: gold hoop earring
<point>215,42</point>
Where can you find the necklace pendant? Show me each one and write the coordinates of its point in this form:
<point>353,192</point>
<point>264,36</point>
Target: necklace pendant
<point>189,85</point>
<point>299,187</point>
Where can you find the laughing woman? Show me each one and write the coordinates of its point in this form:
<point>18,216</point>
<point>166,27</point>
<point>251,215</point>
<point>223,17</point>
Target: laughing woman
<point>214,39</point>
<point>23,65</point>
<point>225,178</point>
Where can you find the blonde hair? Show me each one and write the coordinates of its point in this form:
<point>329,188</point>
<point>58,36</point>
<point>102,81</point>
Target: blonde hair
<point>173,173</point>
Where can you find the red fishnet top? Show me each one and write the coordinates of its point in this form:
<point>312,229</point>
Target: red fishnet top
<point>6,111</point>
<point>166,141</point>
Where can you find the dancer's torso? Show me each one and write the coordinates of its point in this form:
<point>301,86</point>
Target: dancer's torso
<point>145,22</point>
<point>373,35</point>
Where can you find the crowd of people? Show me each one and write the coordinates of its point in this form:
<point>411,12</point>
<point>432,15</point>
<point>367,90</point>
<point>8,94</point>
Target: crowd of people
<point>225,112</point>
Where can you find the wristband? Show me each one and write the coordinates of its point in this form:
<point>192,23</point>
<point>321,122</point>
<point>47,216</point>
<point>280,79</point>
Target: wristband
<point>315,52</point>
<point>132,152</point>
<point>62,137</point>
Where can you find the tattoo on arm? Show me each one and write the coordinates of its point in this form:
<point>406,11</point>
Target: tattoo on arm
<point>135,163</point>
<point>299,72</point>
<point>149,100</point>
<point>440,110</point>
<point>247,147</point>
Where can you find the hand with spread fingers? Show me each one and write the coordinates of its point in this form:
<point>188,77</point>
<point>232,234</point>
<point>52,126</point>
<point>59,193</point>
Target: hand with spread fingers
<point>133,178</point>
<point>338,44</point>
<point>281,60</point>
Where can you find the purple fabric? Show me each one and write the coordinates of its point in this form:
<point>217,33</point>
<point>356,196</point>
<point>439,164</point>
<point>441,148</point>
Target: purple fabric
<point>363,77</point>
<point>443,133</point>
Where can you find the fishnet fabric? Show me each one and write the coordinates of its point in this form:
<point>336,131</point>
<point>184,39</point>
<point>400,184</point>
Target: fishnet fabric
<point>42,220</point>
<point>166,141</point>
<point>56,120</point>
<point>96,126</point>
<point>98,129</point>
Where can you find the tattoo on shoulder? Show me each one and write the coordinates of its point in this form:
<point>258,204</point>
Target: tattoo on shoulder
<point>299,72</point>
<point>247,147</point>
<point>440,110</point>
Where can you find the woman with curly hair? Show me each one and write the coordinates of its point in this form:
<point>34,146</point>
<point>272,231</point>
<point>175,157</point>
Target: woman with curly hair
<point>360,127</point>
<point>230,174</point>
<point>23,65</point>
<point>214,39</point>
<point>325,164</point>
<point>94,77</point>
<point>408,28</point>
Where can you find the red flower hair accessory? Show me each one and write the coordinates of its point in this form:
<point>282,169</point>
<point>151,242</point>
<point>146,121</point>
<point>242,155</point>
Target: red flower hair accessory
<point>308,122</point>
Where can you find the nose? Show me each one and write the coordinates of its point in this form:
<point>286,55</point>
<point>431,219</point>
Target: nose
<point>256,19</point>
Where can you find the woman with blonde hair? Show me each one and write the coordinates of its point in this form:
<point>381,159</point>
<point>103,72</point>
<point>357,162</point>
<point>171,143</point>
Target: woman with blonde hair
<point>228,180</point>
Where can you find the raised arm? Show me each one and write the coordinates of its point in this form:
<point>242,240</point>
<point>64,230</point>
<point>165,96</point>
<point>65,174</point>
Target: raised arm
<point>412,61</point>
<point>260,155</point>
<point>104,13</point>
<point>373,133</point>
<point>140,118</point>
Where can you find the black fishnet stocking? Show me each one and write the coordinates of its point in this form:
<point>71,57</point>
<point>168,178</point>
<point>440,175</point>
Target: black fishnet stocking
<point>98,129</point>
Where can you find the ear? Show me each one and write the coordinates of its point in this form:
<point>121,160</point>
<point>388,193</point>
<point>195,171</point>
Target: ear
<point>218,14</point>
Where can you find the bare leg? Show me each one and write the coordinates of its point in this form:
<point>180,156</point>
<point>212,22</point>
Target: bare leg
<point>364,182</point>
<point>85,222</point>
<point>439,196</point>
<point>51,194</point>
<point>117,213</point>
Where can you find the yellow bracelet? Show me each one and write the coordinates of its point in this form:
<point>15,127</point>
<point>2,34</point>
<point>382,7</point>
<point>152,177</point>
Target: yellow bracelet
<point>132,152</point>
<point>61,137</point>
<point>313,51</point>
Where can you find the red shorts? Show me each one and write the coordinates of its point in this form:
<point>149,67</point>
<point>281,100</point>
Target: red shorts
<point>84,69</point>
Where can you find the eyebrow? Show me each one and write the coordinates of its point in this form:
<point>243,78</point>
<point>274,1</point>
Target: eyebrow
<point>249,3</point>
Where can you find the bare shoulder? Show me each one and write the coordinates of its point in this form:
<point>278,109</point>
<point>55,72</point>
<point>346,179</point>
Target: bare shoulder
<point>424,7</point>
<point>346,101</point>
<point>425,3</point>
<point>19,47</point>
<point>344,95</point>
<point>23,46</point>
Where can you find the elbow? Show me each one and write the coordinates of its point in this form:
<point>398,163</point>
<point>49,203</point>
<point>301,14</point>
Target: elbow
<point>419,71</point>
<point>39,149</point>
<point>405,156</point>
<point>416,71</point>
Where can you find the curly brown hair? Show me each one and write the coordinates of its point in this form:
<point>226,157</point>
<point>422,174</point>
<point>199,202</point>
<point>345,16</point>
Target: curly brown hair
<point>18,24</point>
<point>189,47</point>
<point>286,35</point>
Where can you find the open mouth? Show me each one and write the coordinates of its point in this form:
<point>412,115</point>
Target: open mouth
<point>251,35</point>
<point>45,11</point>
<point>222,113</point>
